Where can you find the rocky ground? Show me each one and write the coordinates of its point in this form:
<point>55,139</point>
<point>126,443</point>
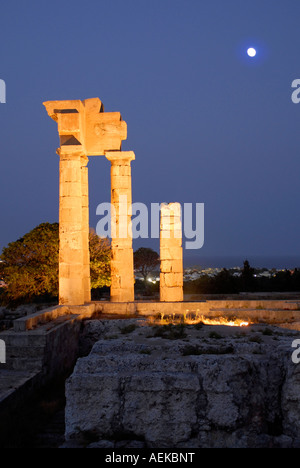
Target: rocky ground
<point>140,382</point>
<point>143,384</point>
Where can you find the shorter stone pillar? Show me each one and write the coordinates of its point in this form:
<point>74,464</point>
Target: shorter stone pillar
<point>171,261</point>
<point>122,270</point>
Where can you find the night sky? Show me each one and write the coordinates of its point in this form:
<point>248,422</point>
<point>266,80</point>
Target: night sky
<point>207,123</point>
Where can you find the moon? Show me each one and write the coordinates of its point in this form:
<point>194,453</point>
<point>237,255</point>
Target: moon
<point>251,52</point>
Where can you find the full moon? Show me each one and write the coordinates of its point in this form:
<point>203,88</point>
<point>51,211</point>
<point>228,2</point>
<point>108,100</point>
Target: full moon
<point>251,52</point>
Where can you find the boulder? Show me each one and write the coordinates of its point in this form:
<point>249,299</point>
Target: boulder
<point>201,387</point>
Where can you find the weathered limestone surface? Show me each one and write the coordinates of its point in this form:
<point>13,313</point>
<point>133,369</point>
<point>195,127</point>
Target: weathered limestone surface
<point>122,271</point>
<point>74,276</point>
<point>38,353</point>
<point>171,263</point>
<point>241,390</point>
<point>86,124</point>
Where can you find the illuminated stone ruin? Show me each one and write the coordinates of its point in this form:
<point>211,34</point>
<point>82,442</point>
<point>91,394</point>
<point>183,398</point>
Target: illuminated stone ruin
<point>85,130</point>
<point>171,261</point>
<point>122,270</point>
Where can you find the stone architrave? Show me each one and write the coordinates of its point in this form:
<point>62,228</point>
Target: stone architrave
<point>171,260</point>
<point>122,270</point>
<point>84,130</point>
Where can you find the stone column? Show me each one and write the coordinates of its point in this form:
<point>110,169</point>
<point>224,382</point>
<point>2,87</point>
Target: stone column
<point>122,270</point>
<point>85,229</point>
<point>171,261</point>
<point>72,229</point>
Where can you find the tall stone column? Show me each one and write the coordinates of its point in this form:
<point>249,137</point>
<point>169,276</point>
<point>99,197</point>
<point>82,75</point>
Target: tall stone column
<point>171,260</point>
<point>122,269</point>
<point>85,229</point>
<point>72,229</point>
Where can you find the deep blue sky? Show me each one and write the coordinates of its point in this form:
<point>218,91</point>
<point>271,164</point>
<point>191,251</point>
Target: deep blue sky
<point>207,124</point>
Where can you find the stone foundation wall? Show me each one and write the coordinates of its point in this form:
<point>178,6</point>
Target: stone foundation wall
<point>184,387</point>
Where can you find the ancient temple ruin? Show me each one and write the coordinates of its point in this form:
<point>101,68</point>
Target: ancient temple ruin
<point>86,130</point>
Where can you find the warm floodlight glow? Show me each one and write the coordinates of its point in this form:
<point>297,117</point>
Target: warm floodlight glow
<point>224,321</point>
<point>251,52</point>
<point>167,319</point>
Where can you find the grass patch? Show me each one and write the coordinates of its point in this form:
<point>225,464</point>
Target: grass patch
<point>170,332</point>
<point>111,337</point>
<point>255,339</point>
<point>145,351</point>
<point>128,329</point>
<point>214,334</point>
<point>198,325</point>
<point>191,350</point>
<point>267,332</point>
<point>240,334</point>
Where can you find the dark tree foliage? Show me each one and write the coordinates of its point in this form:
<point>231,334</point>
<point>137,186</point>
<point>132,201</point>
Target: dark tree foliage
<point>247,277</point>
<point>226,282</point>
<point>29,266</point>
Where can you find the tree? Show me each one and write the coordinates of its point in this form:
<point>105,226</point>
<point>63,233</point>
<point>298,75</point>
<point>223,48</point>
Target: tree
<point>295,280</point>
<point>247,277</point>
<point>145,260</point>
<point>225,283</point>
<point>100,256</point>
<point>30,265</point>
